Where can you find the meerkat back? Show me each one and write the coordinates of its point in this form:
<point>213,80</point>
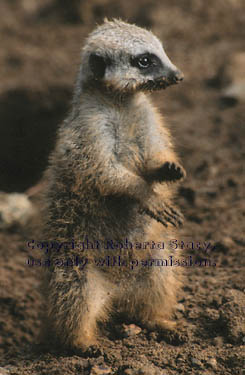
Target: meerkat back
<point>111,180</point>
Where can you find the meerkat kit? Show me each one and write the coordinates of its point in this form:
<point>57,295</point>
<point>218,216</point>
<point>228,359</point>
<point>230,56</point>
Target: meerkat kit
<point>111,180</point>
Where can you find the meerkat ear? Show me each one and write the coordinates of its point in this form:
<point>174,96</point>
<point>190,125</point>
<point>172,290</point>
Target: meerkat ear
<point>97,65</point>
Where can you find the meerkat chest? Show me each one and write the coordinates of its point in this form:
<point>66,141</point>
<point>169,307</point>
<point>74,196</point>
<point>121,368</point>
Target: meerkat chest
<point>139,135</point>
<point>129,138</point>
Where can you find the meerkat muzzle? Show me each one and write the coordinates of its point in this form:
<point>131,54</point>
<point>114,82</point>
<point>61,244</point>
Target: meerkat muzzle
<point>176,76</point>
<point>173,77</point>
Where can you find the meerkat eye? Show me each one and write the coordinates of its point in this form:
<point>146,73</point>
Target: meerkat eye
<point>143,61</point>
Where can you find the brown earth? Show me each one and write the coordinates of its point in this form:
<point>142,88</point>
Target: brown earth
<point>39,57</point>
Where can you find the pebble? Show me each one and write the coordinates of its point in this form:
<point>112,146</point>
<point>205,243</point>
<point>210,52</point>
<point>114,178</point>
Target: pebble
<point>15,209</point>
<point>212,363</point>
<point>180,359</point>
<point>180,307</point>
<point>196,362</point>
<point>100,370</point>
<point>218,341</point>
<point>146,370</point>
<point>193,314</point>
<point>153,335</point>
<point>212,314</point>
<point>131,330</point>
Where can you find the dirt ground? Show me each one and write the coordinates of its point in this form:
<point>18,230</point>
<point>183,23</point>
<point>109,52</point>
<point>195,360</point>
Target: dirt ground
<point>39,58</point>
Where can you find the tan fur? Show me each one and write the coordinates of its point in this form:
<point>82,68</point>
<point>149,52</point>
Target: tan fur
<point>102,183</point>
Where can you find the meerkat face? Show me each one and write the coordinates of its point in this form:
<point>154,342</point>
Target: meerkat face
<point>125,57</point>
<point>157,73</point>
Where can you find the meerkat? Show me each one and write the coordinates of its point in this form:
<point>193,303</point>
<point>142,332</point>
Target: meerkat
<point>110,180</point>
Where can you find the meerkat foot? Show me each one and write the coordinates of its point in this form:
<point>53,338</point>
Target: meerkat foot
<point>84,342</point>
<point>160,324</point>
<point>174,335</point>
<point>168,331</point>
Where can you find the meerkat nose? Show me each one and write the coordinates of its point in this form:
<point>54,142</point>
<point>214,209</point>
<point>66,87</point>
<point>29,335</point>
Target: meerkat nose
<point>176,76</point>
<point>179,76</point>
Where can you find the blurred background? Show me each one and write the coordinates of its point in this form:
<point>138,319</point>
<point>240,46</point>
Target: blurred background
<point>40,43</point>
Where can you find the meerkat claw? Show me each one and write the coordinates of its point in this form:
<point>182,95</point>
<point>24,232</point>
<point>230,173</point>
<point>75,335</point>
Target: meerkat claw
<point>170,218</point>
<point>177,215</point>
<point>164,216</point>
<point>154,216</point>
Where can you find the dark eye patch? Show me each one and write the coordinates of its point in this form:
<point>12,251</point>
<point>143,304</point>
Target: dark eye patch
<point>146,62</point>
<point>98,65</point>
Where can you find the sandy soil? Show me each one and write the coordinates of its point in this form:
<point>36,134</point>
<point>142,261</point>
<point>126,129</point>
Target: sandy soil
<point>39,57</point>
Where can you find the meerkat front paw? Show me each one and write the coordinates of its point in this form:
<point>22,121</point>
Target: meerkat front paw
<point>172,172</point>
<point>163,213</point>
<point>168,172</point>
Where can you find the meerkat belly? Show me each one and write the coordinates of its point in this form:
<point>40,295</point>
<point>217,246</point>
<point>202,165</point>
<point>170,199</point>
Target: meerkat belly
<point>124,254</point>
<point>133,257</point>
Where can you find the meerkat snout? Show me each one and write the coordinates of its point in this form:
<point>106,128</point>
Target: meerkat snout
<point>175,76</point>
<point>159,72</point>
<point>144,71</point>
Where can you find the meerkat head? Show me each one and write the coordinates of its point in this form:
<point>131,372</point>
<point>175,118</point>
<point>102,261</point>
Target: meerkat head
<point>125,57</point>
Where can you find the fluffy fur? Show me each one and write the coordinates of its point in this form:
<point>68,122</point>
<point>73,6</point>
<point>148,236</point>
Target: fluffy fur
<point>111,177</point>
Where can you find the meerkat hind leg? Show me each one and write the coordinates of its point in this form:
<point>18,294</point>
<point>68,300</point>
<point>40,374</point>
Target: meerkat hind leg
<point>151,302</point>
<point>157,314</point>
<point>96,308</point>
<point>75,312</point>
